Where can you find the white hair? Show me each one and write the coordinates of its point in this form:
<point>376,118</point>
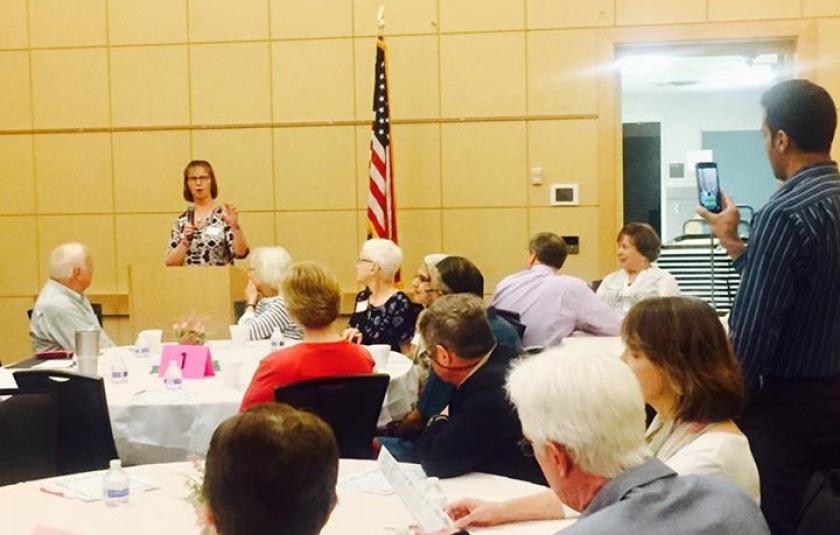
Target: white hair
<point>65,258</point>
<point>270,265</point>
<point>586,400</point>
<point>387,255</point>
<point>432,260</point>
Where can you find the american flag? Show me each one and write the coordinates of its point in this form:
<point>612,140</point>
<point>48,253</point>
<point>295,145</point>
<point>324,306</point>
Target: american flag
<point>381,211</point>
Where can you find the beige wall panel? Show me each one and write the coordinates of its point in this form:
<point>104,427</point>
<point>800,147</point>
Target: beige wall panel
<point>401,16</point>
<point>562,77</point>
<point>61,23</point>
<point>119,330</point>
<point>570,13</point>
<point>19,275</point>
<point>230,83</point>
<point>259,231</point>
<point>828,54</point>
<point>659,11</point>
<point>147,21</point>
<point>312,18</point>
<point>419,235</point>
<point>73,173</point>
<point>413,77</point>
<point>416,165</point>
<point>13,26</point>
<point>496,240</point>
<point>572,221</point>
<point>70,88</point>
<point>313,80</point>
<point>241,160</point>
<point>95,231</point>
<point>15,96</point>
<point>820,8</point>
<point>223,20</point>
<point>481,15</point>
<point>484,164</point>
<point>315,168</point>
<point>328,237</point>
<point>17,187</point>
<point>142,240</point>
<point>150,86</point>
<point>147,171</point>
<point>754,9</point>
<point>15,344</point>
<point>483,74</point>
<point>567,151</point>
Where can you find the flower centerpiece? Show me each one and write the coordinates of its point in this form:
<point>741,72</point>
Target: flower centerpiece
<point>190,330</point>
<point>196,498</point>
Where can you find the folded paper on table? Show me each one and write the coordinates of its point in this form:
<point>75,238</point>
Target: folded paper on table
<point>374,482</point>
<point>430,516</point>
<point>194,361</point>
<point>88,487</point>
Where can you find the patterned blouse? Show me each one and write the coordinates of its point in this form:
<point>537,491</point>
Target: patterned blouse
<point>391,323</point>
<point>212,242</point>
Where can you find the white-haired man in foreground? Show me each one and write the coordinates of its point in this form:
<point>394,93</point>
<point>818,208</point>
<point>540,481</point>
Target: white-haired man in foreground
<point>62,307</point>
<point>583,416</point>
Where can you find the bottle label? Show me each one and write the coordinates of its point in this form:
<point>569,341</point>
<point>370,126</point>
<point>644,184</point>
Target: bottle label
<point>116,494</point>
<point>277,344</point>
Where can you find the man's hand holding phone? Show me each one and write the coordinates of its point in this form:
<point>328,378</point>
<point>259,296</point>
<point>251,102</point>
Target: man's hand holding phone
<point>725,226</point>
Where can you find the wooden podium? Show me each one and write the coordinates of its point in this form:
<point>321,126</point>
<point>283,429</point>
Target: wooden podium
<point>159,296</point>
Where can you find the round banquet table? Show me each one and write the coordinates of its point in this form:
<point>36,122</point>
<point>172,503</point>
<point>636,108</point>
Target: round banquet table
<point>153,424</point>
<point>27,510</point>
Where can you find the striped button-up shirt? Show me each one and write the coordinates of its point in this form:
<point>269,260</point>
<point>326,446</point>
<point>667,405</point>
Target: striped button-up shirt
<point>786,318</point>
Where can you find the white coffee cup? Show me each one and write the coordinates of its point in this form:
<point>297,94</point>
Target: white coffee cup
<point>238,335</point>
<point>380,354</point>
<point>148,342</point>
<point>231,370</point>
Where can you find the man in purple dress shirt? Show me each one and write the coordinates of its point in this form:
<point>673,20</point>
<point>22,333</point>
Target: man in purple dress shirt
<point>552,305</point>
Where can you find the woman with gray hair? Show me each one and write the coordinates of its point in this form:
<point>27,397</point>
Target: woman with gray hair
<point>265,310</point>
<point>423,290</point>
<point>383,314</point>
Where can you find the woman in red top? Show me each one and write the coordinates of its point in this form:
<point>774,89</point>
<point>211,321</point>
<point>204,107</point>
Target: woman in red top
<point>312,296</point>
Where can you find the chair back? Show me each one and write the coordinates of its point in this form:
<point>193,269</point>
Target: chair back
<point>350,404</point>
<point>85,438</point>
<point>28,435</point>
<point>821,507</point>
<point>512,318</point>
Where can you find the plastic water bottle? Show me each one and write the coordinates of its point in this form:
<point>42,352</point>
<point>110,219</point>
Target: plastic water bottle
<point>277,340</point>
<point>434,492</point>
<point>115,485</point>
<point>119,370</point>
<point>173,377</point>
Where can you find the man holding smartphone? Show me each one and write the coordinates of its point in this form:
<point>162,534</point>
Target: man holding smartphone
<point>785,323</point>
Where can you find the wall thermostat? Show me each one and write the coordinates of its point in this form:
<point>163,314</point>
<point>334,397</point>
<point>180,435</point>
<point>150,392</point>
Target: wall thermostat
<point>563,195</point>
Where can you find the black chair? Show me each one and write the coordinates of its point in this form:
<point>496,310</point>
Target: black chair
<point>350,404</point>
<point>85,438</point>
<point>821,507</point>
<point>28,435</point>
<point>97,309</point>
<point>512,318</point>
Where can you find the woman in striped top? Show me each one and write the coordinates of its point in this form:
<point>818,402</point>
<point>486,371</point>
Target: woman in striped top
<point>265,309</point>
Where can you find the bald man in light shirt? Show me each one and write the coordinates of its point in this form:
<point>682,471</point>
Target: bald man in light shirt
<point>62,308</point>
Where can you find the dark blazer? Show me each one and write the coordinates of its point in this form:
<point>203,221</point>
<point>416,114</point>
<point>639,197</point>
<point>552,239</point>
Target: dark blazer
<point>482,430</point>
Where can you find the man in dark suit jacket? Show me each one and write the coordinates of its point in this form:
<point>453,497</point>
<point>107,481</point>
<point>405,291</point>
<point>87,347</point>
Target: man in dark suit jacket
<point>480,430</point>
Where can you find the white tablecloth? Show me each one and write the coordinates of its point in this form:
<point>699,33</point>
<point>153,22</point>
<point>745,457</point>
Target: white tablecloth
<point>152,424</point>
<point>166,512</point>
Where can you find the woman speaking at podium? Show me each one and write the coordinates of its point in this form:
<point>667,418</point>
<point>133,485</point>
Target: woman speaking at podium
<point>207,233</point>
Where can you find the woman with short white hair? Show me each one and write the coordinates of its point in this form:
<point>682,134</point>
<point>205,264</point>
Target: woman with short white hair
<point>265,310</point>
<point>383,314</point>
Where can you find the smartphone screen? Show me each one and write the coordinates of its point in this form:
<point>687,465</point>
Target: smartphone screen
<point>708,186</point>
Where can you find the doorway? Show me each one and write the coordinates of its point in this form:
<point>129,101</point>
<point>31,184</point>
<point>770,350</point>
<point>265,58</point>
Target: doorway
<point>642,162</point>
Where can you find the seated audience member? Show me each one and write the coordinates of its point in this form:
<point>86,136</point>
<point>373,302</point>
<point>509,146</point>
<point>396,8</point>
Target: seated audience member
<point>583,417</point>
<point>684,363</point>
<point>420,290</point>
<point>452,275</point>
<point>479,432</point>
<point>271,469</point>
<point>312,297</point>
<point>638,246</point>
<point>265,310</point>
<point>62,307</point>
<point>383,314</point>
<point>552,305</point>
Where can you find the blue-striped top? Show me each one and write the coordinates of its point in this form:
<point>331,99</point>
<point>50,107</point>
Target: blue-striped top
<point>786,318</point>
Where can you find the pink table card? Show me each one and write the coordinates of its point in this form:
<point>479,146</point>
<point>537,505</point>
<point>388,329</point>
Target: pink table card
<point>194,361</point>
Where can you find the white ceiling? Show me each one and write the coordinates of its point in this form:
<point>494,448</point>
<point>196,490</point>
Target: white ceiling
<point>662,73</point>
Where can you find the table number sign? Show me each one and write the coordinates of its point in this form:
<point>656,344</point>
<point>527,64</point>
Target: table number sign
<point>194,361</point>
